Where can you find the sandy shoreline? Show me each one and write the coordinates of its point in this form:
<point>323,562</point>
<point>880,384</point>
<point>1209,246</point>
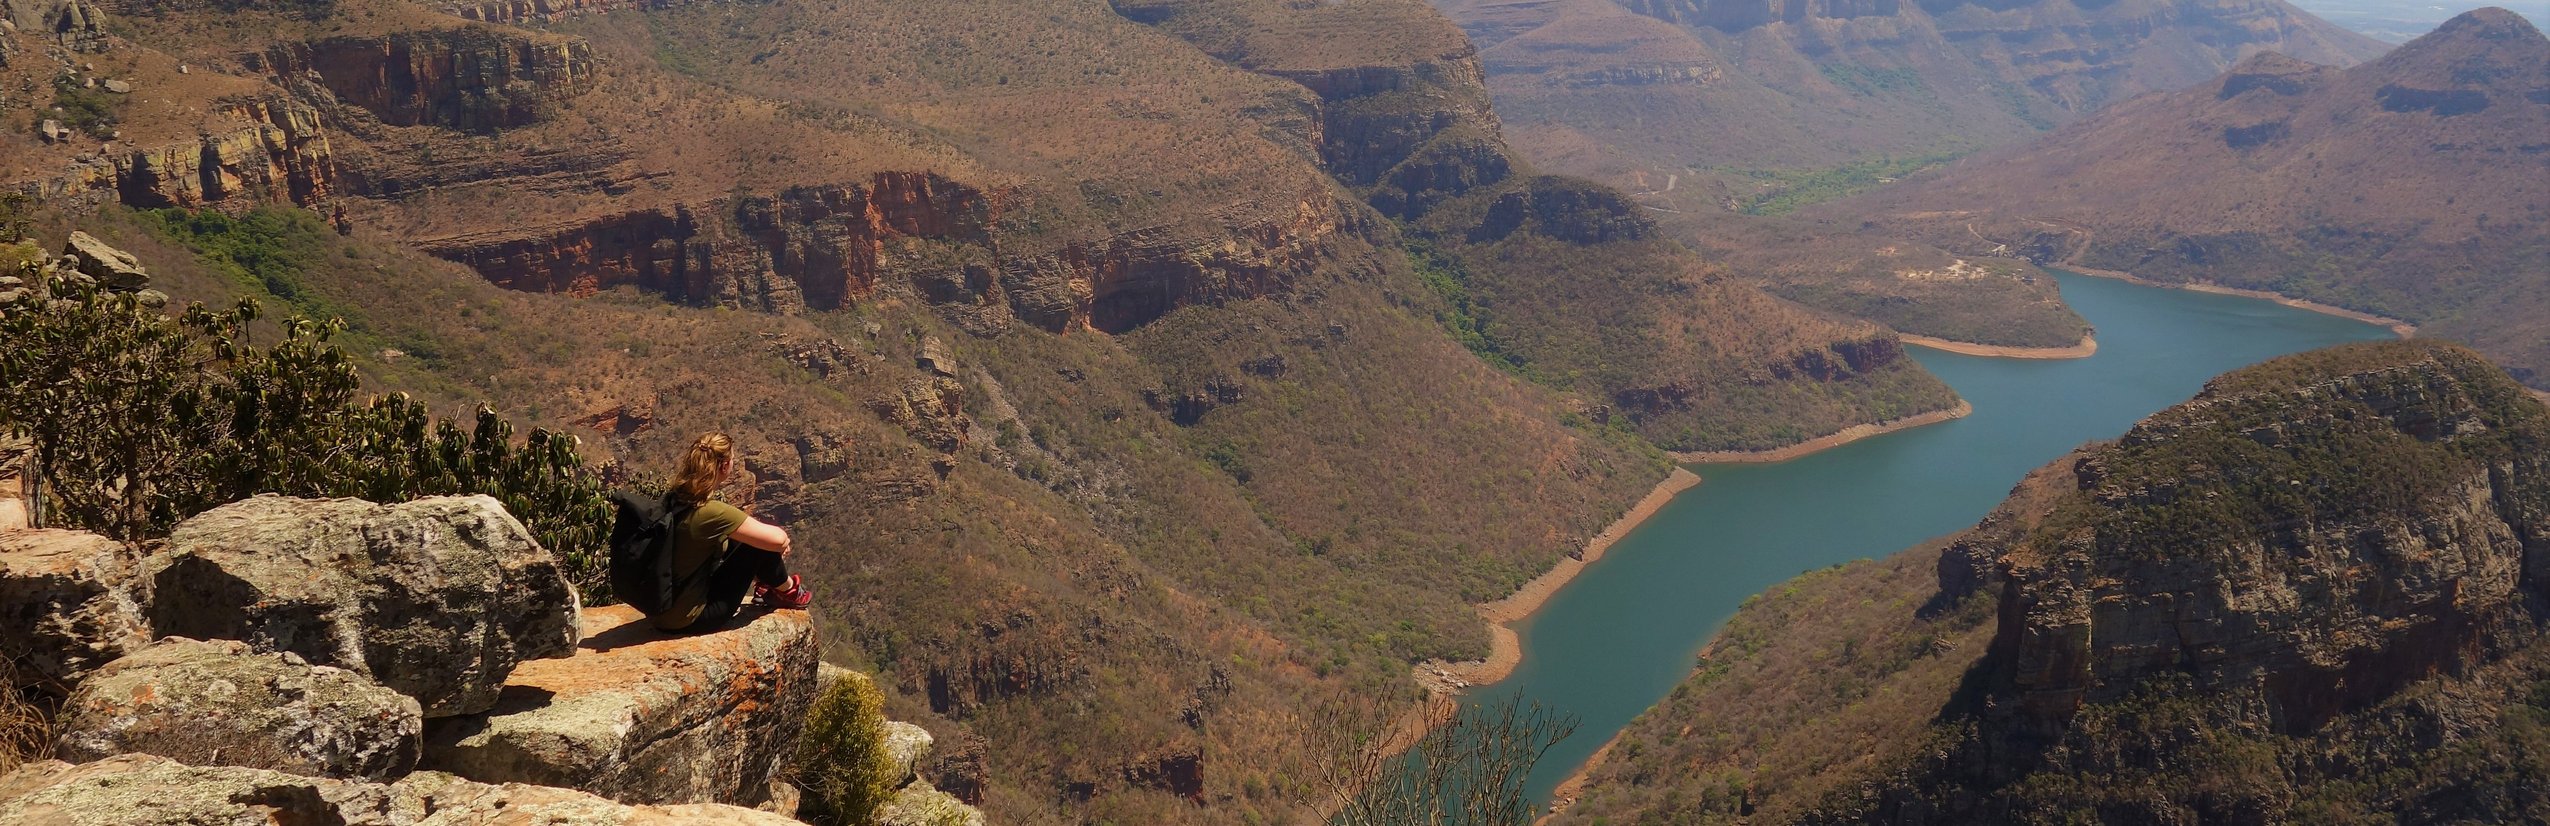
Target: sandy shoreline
<point>2398,328</point>
<point>2088,347</point>
<point>1847,435</point>
<point>1505,649</point>
<point>1565,794</point>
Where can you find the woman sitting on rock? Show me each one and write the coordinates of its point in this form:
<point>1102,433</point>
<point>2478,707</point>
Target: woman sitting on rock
<point>749,554</point>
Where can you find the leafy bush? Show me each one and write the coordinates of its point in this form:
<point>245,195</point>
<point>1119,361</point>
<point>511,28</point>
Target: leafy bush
<point>140,420</point>
<point>269,249</point>
<point>841,759</point>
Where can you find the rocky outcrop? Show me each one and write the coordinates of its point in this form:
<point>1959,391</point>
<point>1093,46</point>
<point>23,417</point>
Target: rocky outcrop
<point>808,247</point>
<point>71,24</point>
<point>114,269</point>
<point>640,716</point>
<point>275,153</point>
<point>208,703</point>
<point>469,78</point>
<point>1409,136</point>
<point>1568,209</point>
<point>66,607</point>
<point>438,598</point>
<point>141,790</point>
<point>921,805</point>
<point>534,11</point>
<point>2303,539</point>
<point>931,410</point>
<point>824,247</point>
<point>1126,281</point>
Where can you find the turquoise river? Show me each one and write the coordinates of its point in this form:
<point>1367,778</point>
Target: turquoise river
<point>1625,632</point>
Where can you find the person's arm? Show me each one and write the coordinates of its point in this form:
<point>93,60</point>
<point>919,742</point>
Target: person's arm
<point>760,534</point>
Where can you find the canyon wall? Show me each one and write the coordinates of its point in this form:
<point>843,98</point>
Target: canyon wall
<point>276,153</point>
<point>471,79</point>
<point>2306,548</point>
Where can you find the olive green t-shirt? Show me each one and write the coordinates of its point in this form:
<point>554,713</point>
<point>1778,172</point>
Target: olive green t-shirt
<point>698,541</point>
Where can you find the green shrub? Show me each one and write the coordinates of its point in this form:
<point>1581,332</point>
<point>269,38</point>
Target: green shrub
<point>140,420</point>
<point>841,759</point>
<point>85,109</point>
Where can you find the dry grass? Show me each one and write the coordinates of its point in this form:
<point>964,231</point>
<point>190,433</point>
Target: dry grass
<point>26,725</point>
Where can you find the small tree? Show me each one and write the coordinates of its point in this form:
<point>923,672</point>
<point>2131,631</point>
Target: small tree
<point>140,420</point>
<point>842,764</point>
<point>1467,769</point>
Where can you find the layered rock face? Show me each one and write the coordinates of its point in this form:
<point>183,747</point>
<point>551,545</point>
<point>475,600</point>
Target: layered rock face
<point>220,703</point>
<point>823,243</point>
<point>533,11</point>
<point>275,152</point>
<point>438,598</point>
<point>471,79</point>
<point>643,717</point>
<point>826,247</point>
<point>1404,117</point>
<point>2308,544</point>
<point>141,790</point>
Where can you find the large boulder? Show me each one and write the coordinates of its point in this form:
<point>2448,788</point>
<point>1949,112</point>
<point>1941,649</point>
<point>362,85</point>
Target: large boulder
<point>220,703</point>
<point>113,268</point>
<point>437,598</point>
<point>905,745</point>
<point>66,606</point>
<point>145,790</point>
<point>645,717</point>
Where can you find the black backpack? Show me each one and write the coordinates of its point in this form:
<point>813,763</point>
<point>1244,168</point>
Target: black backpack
<point>642,572</point>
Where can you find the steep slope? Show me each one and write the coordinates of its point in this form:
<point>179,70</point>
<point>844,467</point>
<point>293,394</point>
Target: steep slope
<point>2416,186</point>
<point>1561,280</point>
<point>1086,353</point>
<point>998,393</point>
<point>2311,594</point>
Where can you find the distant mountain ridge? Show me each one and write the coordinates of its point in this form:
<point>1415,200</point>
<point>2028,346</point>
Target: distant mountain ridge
<point>2416,186</point>
<point>1613,88</point>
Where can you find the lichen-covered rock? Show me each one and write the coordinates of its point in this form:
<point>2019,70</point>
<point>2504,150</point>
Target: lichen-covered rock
<point>905,745</point>
<point>144,790</point>
<point>65,604</point>
<point>920,805</point>
<point>641,716</point>
<point>438,598</point>
<point>221,703</point>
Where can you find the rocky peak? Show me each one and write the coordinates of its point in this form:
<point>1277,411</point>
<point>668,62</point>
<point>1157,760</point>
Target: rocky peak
<point>2488,51</point>
<point>2306,537</point>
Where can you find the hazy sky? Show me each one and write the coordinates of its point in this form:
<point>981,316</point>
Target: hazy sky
<point>2398,21</point>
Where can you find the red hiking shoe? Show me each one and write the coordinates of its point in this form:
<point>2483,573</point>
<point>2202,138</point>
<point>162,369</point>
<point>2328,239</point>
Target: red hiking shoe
<point>794,595</point>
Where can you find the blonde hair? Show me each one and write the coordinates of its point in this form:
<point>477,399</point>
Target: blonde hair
<point>703,467</point>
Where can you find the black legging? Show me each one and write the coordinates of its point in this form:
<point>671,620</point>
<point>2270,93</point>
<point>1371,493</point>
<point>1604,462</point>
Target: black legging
<point>744,565</point>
